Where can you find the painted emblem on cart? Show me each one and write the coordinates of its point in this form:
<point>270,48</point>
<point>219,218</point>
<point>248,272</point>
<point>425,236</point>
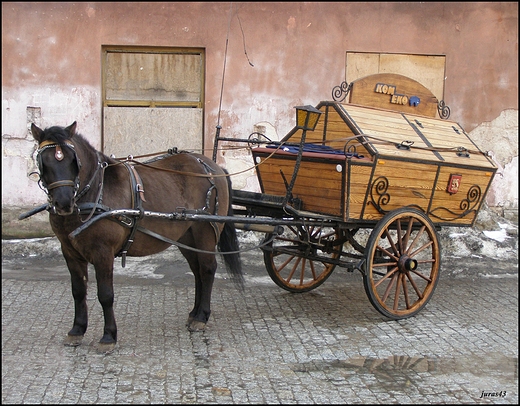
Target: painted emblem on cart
<point>454,184</point>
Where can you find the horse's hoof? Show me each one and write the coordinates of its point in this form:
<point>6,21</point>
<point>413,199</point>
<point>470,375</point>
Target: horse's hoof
<point>196,325</point>
<point>104,348</point>
<point>72,341</point>
<point>188,322</point>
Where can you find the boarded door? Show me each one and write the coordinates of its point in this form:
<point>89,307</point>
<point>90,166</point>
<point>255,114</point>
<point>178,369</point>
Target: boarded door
<point>153,100</point>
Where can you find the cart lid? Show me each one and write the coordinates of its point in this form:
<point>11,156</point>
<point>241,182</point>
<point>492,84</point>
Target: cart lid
<point>404,135</point>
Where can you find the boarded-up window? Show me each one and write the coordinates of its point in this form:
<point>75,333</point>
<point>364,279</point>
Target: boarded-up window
<point>152,100</point>
<point>428,70</point>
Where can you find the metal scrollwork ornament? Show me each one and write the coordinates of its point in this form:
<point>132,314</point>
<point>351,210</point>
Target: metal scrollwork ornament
<point>444,111</point>
<point>339,93</point>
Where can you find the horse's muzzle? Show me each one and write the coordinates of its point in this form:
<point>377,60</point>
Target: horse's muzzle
<point>62,211</point>
<point>63,205</point>
<point>62,198</point>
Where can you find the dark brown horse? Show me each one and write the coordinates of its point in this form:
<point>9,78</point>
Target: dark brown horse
<point>81,183</point>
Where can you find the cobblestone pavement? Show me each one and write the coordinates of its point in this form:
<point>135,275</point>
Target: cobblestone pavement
<point>327,346</point>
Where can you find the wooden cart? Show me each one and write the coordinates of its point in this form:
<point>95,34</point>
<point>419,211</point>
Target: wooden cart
<point>368,188</point>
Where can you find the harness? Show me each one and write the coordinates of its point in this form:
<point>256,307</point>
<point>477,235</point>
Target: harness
<point>137,199</point>
<point>136,185</point>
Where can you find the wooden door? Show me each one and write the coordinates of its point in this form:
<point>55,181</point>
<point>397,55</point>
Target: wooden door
<point>153,100</point>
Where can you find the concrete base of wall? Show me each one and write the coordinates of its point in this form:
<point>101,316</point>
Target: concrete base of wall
<point>36,226</point>
<point>510,214</point>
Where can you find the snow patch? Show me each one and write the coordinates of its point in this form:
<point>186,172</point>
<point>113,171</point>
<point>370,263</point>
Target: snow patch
<point>500,235</point>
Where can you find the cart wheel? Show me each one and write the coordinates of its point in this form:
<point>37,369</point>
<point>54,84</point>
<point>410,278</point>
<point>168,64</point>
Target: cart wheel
<point>303,257</point>
<point>402,263</point>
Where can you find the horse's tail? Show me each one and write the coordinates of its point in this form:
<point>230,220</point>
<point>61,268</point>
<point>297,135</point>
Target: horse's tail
<point>228,244</point>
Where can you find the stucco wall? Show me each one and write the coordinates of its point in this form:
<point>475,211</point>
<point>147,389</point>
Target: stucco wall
<point>279,55</point>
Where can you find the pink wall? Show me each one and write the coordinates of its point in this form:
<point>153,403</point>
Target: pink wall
<point>298,49</point>
<point>51,55</point>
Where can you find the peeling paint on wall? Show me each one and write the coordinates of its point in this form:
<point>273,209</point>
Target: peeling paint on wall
<point>500,138</point>
<point>45,107</point>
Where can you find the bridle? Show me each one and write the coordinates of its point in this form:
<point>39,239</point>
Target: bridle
<point>58,155</point>
<point>45,145</point>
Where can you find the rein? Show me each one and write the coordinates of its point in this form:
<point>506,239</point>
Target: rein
<point>130,158</point>
<point>97,207</point>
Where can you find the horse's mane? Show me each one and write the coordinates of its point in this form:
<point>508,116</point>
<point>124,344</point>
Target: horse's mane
<point>79,139</point>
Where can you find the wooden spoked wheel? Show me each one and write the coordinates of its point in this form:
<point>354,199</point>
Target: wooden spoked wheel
<point>402,263</point>
<point>303,257</point>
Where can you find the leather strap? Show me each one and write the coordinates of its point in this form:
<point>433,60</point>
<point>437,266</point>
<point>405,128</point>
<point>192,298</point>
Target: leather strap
<point>137,189</point>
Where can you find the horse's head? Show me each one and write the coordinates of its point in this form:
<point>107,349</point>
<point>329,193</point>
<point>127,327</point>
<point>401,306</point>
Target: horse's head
<point>58,165</point>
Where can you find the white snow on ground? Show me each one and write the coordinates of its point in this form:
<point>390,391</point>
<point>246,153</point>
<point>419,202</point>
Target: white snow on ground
<point>455,235</point>
<point>500,235</point>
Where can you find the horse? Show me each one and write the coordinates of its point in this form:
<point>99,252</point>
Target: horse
<point>82,183</point>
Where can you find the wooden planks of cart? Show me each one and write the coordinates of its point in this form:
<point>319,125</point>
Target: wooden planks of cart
<point>366,186</point>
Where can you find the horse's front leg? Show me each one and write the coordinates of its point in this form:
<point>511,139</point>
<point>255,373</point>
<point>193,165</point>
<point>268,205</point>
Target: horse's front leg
<point>104,266</point>
<point>78,270</point>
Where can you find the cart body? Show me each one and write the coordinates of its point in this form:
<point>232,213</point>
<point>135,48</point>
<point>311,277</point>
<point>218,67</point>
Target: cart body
<point>387,159</point>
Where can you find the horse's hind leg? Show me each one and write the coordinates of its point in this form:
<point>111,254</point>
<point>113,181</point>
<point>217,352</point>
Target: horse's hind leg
<point>203,267</point>
<point>79,278</point>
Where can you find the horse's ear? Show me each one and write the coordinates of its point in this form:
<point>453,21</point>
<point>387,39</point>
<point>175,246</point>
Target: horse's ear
<point>71,129</point>
<point>36,132</point>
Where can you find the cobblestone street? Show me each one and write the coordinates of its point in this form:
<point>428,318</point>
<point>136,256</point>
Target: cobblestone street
<point>263,346</point>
